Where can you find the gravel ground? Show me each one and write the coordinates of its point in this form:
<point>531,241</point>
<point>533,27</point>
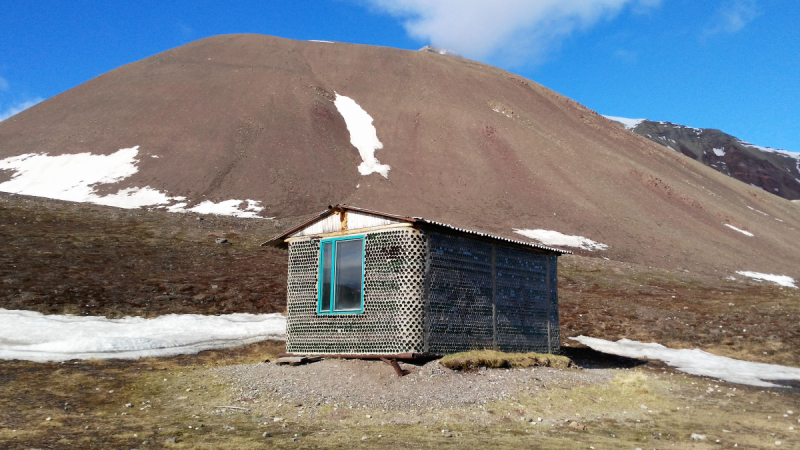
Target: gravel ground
<point>373,384</point>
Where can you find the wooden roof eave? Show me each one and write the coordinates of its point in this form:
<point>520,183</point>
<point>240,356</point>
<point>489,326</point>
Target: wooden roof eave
<point>281,240</point>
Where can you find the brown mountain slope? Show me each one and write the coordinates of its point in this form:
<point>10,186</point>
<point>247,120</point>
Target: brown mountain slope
<point>252,117</point>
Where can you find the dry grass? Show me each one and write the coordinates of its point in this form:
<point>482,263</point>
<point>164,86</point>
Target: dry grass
<point>500,360</point>
<point>171,394</point>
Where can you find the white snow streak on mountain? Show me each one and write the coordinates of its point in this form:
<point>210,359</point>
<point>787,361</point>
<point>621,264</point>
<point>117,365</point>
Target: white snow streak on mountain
<point>746,233</point>
<point>363,135</point>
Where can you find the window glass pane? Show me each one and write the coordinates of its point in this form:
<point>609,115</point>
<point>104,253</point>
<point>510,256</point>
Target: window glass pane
<point>325,294</point>
<point>348,275</point>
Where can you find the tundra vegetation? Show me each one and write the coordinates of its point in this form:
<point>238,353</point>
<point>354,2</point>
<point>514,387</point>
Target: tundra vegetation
<point>91,260</point>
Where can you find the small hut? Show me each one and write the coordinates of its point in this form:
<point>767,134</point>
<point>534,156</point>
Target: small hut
<point>368,284</point>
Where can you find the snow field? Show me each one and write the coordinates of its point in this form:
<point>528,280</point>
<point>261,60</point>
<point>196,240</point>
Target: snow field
<point>76,178</point>
<point>363,135</point>
<point>548,237</point>
<point>782,280</point>
<point>33,336</point>
<point>697,362</point>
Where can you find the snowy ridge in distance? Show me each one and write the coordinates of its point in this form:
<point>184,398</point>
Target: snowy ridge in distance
<point>629,124</point>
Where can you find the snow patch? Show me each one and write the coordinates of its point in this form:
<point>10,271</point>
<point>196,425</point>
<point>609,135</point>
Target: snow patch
<point>76,178</point>
<point>234,208</point>
<point>760,212</point>
<point>548,237</point>
<point>697,362</point>
<point>629,124</point>
<point>363,135</point>
<point>782,280</point>
<point>719,152</point>
<point>317,40</point>
<point>746,233</point>
<point>33,336</point>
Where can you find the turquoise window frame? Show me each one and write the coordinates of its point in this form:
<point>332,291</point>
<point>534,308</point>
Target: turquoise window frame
<point>333,242</point>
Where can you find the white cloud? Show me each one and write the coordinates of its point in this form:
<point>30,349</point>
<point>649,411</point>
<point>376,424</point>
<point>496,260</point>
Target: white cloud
<point>510,29</point>
<point>732,16</point>
<point>18,108</point>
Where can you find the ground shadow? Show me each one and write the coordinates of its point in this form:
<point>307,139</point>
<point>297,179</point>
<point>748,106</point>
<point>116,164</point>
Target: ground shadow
<point>592,359</point>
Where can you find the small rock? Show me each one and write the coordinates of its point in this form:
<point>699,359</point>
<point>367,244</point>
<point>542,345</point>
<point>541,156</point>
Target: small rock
<point>266,434</point>
<point>221,241</point>
<point>364,438</point>
<point>278,419</point>
<point>171,440</point>
<point>643,407</point>
<point>294,439</point>
<point>369,416</point>
<point>777,443</point>
<point>48,419</point>
<point>129,405</point>
<point>448,435</point>
<point>577,425</point>
<point>698,437</point>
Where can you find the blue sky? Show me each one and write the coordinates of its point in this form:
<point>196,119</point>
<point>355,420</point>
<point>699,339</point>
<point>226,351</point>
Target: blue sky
<point>727,64</point>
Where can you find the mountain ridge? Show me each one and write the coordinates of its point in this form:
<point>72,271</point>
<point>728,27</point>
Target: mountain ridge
<point>773,170</point>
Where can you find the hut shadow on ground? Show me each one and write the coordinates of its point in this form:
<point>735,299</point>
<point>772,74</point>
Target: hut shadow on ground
<point>589,358</point>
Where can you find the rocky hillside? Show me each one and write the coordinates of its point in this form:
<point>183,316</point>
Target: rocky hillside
<point>258,126</point>
<point>775,171</point>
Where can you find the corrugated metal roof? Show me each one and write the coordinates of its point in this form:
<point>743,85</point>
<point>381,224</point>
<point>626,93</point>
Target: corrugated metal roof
<point>279,239</point>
